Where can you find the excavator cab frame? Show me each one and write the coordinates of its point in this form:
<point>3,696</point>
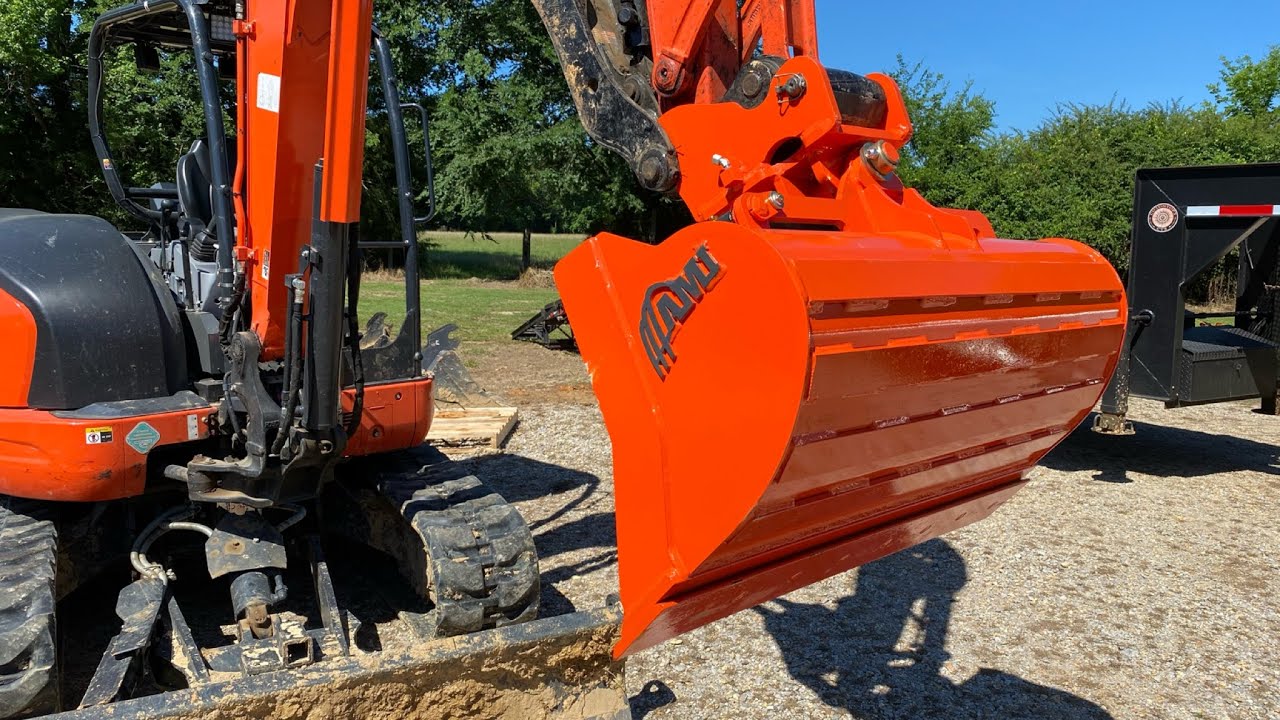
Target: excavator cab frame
<point>249,446</point>
<point>196,28</point>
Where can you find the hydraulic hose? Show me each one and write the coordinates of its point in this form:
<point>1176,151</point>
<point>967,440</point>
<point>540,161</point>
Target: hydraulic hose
<point>293,355</point>
<point>229,312</point>
<point>176,519</point>
<point>353,332</point>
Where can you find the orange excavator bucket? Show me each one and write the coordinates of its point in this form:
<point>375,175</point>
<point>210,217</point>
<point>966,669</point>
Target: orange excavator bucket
<point>827,368</point>
<point>785,405</point>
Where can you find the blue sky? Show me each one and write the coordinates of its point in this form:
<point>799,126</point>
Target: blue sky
<point>1029,56</point>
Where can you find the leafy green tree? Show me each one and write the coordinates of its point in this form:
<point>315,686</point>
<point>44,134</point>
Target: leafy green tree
<point>953,129</point>
<point>512,154</point>
<point>1249,87</point>
<point>41,106</point>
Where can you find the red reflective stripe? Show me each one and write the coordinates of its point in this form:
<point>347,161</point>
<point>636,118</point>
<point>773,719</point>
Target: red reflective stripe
<point>1233,210</point>
<point>1248,209</point>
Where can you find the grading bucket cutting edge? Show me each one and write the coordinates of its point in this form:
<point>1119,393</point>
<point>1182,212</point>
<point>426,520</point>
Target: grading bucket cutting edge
<point>785,405</point>
<point>557,668</point>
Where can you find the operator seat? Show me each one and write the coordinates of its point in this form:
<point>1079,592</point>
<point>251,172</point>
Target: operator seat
<point>195,198</point>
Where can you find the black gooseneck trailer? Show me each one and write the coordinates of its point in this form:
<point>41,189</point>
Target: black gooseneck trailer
<point>1184,221</point>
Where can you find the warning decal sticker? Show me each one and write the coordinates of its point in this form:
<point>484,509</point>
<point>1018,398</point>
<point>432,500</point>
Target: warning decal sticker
<point>97,435</point>
<point>269,92</point>
<point>142,437</point>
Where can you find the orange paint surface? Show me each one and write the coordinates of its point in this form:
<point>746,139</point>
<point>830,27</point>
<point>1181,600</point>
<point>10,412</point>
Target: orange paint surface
<point>827,369</point>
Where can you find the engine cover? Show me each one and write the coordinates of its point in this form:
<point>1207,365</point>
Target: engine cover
<point>105,327</point>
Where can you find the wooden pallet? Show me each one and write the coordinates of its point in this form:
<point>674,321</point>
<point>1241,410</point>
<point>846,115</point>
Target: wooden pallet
<point>472,427</point>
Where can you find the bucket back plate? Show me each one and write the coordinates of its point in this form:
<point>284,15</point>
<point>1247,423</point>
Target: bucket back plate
<point>785,405</point>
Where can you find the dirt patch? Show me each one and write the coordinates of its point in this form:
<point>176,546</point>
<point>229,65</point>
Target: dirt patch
<point>528,375</point>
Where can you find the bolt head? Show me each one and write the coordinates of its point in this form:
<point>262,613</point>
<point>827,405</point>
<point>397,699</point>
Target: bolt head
<point>655,170</point>
<point>881,157</point>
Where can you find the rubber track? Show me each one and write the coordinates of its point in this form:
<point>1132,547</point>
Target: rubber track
<point>482,566</point>
<point>28,553</point>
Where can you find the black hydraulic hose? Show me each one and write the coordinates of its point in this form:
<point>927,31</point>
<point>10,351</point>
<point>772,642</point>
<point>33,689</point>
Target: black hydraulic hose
<point>228,313</point>
<point>231,408</point>
<point>293,354</point>
<point>224,340</point>
<point>353,332</point>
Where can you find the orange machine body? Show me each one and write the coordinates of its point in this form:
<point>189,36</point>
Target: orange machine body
<point>827,369</point>
<point>301,96</point>
<point>53,455</point>
<point>700,45</point>
<point>304,72</point>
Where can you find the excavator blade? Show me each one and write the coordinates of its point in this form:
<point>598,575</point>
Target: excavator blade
<point>557,668</point>
<point>785,405</point>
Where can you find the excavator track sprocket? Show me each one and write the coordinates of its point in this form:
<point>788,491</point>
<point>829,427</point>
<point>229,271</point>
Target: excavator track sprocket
<point>459,543</point>
<point>28,643</point>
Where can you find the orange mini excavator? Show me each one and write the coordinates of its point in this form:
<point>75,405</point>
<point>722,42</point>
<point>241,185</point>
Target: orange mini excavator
<point>821,370</point>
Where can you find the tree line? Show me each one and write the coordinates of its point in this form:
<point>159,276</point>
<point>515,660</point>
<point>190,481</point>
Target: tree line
<point>1073,175</point>
<point>509,153</point>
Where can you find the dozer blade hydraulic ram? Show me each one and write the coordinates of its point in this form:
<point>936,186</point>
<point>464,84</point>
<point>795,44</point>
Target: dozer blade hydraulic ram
<point>825,369</point>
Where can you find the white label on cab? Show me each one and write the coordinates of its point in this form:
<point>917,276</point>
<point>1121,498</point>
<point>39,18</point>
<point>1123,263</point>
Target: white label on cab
<point>269,92</point>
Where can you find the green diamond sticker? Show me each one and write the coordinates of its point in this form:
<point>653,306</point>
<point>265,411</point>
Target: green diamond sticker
<point>142,437</point>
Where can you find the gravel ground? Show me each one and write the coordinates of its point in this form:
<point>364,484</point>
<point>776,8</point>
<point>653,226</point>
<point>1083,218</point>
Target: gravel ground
<point>1134,578</point>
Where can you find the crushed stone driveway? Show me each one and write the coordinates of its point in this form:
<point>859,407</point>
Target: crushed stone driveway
<point>1135,577</point>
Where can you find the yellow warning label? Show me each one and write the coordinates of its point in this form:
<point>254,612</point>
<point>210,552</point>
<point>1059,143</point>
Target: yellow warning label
<point>97,435</point>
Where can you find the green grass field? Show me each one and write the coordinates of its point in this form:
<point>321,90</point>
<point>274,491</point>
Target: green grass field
<point>487,310</point>
<point>455,255</point>
<point>481,312</point>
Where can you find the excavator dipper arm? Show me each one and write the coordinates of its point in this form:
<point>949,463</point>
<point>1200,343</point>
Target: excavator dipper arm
<point>615,102</point>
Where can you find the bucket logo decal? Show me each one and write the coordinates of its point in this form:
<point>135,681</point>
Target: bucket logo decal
<point>668,305</point>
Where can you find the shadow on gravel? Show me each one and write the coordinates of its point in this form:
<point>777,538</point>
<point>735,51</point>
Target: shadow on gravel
<point>518,478</point>
<point>654,695</point>
<point>1160,451</point>
<point>881,652</point>
<point>583,522</point>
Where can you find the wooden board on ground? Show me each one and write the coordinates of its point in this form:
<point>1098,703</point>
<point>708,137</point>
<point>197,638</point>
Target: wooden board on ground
<point>472,427</point>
